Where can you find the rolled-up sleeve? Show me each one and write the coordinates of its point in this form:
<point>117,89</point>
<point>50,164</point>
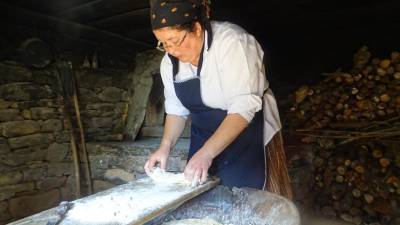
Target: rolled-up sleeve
<point>172,104</point>
<point>242,75</point>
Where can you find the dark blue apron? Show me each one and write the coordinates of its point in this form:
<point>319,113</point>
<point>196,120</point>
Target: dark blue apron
<point>242,163</point>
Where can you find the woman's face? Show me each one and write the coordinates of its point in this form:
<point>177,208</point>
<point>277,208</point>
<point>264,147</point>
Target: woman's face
<point>184,45</point>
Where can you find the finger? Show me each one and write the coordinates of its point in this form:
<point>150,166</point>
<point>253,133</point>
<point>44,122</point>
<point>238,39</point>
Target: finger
<point>188,173</point>
<point>196,178</point>
<point>146,167</point>
<point>163,164</point>
<point>204,176</point>
<point>150,165</point>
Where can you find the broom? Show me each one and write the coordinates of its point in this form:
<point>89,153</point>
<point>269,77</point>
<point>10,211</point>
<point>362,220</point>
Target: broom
<point>277,172</point>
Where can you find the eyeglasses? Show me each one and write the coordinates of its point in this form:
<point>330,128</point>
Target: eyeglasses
<point>163,47</point>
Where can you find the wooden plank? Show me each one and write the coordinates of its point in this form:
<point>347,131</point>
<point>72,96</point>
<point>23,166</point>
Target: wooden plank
<point>67,27</point>
<point>122,18</point>
<point>49,7</point>
<point>100,9</point>
<point>134,203</point>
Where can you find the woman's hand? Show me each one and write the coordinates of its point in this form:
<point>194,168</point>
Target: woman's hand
<point>196,170</point>
<point>158,157</point>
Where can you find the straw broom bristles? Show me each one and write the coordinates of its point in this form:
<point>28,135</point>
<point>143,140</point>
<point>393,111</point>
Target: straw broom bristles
<point>278,176</point>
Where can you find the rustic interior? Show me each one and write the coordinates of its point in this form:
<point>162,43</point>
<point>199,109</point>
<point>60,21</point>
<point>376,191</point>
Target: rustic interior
<point>334,67</point>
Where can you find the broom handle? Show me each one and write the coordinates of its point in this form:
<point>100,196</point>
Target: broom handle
<point>83,144</point>
<point>74,154</point>
<point>74,151</point>
<point>74,99</point>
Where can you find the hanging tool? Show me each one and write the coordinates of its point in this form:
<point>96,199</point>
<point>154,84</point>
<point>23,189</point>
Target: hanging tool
<point>36,53</point>
<point>69,85</point>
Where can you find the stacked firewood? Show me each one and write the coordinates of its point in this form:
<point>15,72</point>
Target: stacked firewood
<point>369,92</point>
<point>358,182</point>
<point>352,120</point>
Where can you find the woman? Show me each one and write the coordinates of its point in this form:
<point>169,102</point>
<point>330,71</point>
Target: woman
<point>213,72</point>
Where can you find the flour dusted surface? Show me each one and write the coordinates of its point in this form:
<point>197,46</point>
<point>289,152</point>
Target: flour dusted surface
<point>193,222</point>
<point>160,176</point>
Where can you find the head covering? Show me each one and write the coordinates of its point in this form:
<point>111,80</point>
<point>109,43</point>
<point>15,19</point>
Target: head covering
<point>165,13</point>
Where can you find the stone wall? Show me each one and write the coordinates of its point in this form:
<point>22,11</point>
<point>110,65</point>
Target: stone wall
<point>36,170</point>
<point>32,142</point>
<point>114,163</point>
<point>104,96</point>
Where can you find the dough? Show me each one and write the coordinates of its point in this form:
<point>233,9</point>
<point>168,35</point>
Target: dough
<point>160,176</point>
<point>192,222</point>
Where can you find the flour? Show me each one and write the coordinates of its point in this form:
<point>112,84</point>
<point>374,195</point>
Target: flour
<point>159,176</point>
<point>192,222</point>
<point>129,203</point>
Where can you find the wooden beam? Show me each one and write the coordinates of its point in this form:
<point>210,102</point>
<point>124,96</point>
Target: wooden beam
<point>48,7</point>
<point>99,9</point>
<point>72,29</point>
<point>122,18</point>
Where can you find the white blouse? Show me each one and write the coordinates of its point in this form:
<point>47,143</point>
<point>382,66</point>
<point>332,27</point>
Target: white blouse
<point>232,77</point>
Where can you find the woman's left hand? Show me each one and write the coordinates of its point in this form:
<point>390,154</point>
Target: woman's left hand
<point>196,170</point>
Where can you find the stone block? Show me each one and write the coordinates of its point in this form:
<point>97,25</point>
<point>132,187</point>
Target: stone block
<point>9,191</point>
<point>121,79</point>
<point>35,174</point>
<point>21,159</point>
<point>4,148</point>
<point>10,115</point>
<point>119,125</point>
<point>102,122</point>
<point>138,163</point>
<point>51,183</point>
<point>19,128</point>
<point>62,136</point>
<point>87,95</point>
<point>29,140</point>
<point>118,176</point>
<point>60,169</point>
<point>111,137</point>
<point>10,178</point>
<point>44,113</point>
<point>57,152</point>
<point>100,185</point>
<point>100,163</point>
<point>68,191</point>
<point>27,205</point>
<point>4,217</point>
<point>5,104</point>
<point>27,114</point>
<point>108,114</point>
<point>101,106</point>
<point>12,72</point>
<point>44,77</point>
<point>111,94</point>
<point>125,96</point>
<point>50,103</point>
<point>91,113</point>
<point>25,91</point>
<point>51,125</point>
<point>3,206</point>
<point>21,105</point>
<point>87,79</point>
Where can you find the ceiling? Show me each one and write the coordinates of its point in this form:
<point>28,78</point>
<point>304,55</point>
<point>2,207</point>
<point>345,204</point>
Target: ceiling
<point>123,22</point>
<point>302,38</point>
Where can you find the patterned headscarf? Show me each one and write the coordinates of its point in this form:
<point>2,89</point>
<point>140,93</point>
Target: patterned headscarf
<point>165,13</point>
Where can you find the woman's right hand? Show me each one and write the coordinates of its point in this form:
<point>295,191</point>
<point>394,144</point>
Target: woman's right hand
<point>158,157</point>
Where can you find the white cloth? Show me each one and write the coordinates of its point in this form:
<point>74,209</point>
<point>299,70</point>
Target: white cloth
<point>232,78</point>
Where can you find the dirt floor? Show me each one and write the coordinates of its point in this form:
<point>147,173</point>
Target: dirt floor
<point>310,218</point>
